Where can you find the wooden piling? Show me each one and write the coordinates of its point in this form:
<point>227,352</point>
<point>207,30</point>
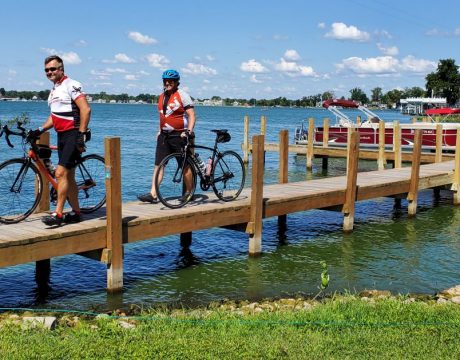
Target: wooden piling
<point>263,125</point>
<point>438,153</point>
<point>415,172</point>
<point>397,144</point>
<point>246,140</point>
<point>456,181</point>
<point>381,158</point>
<point>352,176</point>
<point>255,224</point>
<point>326,132</point>
<point>114,216</point>
<point>283,168</point>
<point>311,140</point>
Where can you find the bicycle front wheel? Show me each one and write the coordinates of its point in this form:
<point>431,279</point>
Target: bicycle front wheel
<point>175,181</point>
<point>21,188</point>
<point>90,178</point>
<point>228,176</point>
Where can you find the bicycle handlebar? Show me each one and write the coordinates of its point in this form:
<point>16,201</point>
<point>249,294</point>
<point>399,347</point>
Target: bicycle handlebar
<point>7,131</point>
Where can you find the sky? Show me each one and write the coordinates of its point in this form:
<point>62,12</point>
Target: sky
<point>235,49</point>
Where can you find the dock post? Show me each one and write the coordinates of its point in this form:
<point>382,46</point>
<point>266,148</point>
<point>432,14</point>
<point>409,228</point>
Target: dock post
<point>456,181</point>
<point>311,140</point>
<point>438,153</point>
<point>397,144</point>
<point>246,140</point>
<point>415,172</point>
<point>43,267</point>
<point>114,216</point>
<point>325,142</point>
<point>283,171</point>
<point>263,124</point>
<point>257,189</point>
<point>44,204</point>
<point>381,159</point>
<point>358,120</point>
<point>352,175</point>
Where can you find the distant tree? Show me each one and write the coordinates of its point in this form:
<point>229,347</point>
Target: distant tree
<point>392,98</point>
<point>358,95</point>
<point>445,81</point>
<point>414,92</point>
<point>2,92</point>
<point>327,95</point>
<point>376,94</point>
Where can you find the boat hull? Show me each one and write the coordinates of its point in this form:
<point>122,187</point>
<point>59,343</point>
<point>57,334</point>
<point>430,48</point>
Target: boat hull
<point>369,136</point>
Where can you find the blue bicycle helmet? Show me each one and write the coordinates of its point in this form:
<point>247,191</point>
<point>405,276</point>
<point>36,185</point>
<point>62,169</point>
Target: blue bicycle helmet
<point>171,74</point>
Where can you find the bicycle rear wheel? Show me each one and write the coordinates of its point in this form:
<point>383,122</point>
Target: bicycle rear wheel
<point>228,176</point>
<point>90,178</point>
<point>169,181</point>
<point>21,188</point>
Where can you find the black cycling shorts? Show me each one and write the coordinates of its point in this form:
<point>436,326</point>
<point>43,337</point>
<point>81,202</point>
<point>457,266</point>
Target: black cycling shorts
<point>67,148</point>
<point>168,143</point>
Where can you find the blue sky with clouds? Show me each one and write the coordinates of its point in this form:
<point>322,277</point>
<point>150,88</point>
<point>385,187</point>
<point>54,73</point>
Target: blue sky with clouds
<point>236,49</point>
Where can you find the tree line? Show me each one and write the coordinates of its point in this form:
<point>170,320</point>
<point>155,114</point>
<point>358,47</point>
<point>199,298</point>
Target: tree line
<point>444,82</point>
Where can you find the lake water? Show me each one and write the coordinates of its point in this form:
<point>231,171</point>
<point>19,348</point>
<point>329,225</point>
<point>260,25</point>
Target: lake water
<point>385,251</point>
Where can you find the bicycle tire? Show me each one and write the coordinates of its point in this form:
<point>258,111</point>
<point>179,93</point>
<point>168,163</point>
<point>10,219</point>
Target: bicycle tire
<point>17,205</point>
<point>169,181</point>
<point>228,176</point>
<point>90,179</point>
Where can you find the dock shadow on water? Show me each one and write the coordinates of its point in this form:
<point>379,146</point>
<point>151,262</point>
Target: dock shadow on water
<point>386,250</point>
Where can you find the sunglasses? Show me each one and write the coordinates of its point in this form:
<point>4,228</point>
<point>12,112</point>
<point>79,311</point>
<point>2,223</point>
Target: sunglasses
<point>51,69</point>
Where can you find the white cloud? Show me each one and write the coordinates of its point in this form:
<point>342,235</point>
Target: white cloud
<point>341,31</point>
<point>280,37</point>
<point>411,64</point>
<point>321,25</point>
<point>116,70</point>
<point>131,77</point>
<point>391,51</point>
<point>377,65</point>
<point>457,32</point>
<point>198,69</point>
<point>81,43</point>
<point>123,58</point>
<point>12,72</point>
<point>254,79</point>
<point>157,60</point>
<point>68,57</point>
<point>291,55</point>
<point>385,65</point>
<point>253,66</point>
<point>141,39</point>
<point>292,68</point>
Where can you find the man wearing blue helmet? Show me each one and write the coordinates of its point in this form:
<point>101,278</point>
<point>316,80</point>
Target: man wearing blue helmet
<point>177,116</point>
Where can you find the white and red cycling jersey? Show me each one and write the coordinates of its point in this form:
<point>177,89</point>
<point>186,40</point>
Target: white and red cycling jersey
<point>172,110</point>
<point>64,110</point>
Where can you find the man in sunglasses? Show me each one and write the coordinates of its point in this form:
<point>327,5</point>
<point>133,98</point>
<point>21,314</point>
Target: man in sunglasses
<point>70,114</point>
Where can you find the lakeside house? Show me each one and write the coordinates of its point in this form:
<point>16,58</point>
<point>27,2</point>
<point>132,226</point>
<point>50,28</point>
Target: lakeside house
<point>418,105</point>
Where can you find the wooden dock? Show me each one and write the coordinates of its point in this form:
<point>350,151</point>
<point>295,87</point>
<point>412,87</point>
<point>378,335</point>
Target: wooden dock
<point>102,235</point>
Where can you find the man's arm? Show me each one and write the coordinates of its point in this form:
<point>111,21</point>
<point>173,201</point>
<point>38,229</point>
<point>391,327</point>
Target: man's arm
<point>191,118</point>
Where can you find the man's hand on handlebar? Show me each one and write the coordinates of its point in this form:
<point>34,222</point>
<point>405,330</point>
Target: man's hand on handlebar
<point>34,134</point>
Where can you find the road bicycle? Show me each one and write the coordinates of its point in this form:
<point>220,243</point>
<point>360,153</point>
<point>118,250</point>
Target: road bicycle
<point>21,179</point>
<point>223,171</point>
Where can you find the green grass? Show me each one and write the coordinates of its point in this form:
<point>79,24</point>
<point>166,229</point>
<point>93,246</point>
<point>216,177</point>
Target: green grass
<point>343,328</point>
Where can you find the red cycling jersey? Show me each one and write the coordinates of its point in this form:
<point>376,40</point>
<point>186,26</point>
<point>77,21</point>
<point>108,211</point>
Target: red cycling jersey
<point>172,110</point>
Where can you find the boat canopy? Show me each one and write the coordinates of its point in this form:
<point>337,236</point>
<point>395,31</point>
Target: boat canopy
<point>442,111</point>
<point>340,102</point>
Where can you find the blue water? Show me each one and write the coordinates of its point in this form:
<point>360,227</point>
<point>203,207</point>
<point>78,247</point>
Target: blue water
<point>386,250</point>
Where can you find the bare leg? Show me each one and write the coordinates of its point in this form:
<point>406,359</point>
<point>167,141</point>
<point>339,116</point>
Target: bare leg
<point>160,178</point>
<point>67,187</point>
<point>188,179</point>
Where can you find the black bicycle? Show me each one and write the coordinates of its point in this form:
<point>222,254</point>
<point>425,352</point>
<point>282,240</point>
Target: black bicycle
<point>176,178</point>
<point>21,179</point>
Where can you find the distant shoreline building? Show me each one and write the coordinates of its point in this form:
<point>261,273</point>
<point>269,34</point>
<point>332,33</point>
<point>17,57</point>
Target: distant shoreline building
<point>418,105</point>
